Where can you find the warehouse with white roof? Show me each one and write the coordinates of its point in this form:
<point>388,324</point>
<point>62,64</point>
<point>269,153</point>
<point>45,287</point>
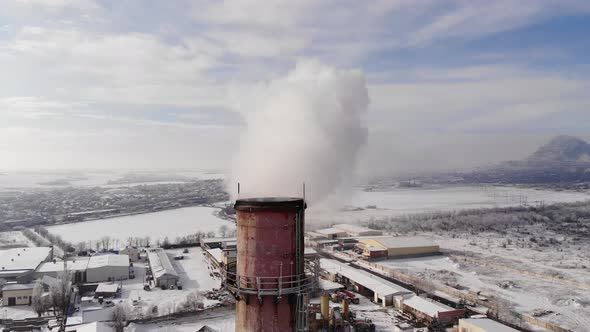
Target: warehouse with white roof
<point>164,274</point>
<point>357,230</point>
<point>399,246</point>
<point>364,282</point>
<point>429,310</point>
<point>482,325</point>
<point>19,263</point>
<point>99,268</point>
<point>107,268</point>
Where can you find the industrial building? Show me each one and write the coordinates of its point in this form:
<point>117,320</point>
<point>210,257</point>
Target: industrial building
<point>215,255</point>
<point>340,231</point>
<point>164,274</point>
<point>132,252</point>
<point>397,247</point>
<point>99,268</point>
<point>217,242</point>
<point>330,233</point>
<point>365,283</point>
<point>18,264</point>
<point>482,325</point>
<point>107,290</point>
<point>17,294</point>
<point>357,230</point>
<point>107,268</point>
<point>430,311</point>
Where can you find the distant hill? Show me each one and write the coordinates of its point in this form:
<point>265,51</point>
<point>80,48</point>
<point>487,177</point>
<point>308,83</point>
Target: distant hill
<point>564,159</point>
<point>561,149</point>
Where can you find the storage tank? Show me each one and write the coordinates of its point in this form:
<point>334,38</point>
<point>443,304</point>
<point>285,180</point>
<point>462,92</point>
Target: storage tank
<point>270,282</point>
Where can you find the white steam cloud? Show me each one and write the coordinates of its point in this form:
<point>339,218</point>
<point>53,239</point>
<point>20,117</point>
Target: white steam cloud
<point>308,126</point>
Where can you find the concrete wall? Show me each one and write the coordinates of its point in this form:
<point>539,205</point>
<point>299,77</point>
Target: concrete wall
<point>22,296</point>
<point>107,273</point>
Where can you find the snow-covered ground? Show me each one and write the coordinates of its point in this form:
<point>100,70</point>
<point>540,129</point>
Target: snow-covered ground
<point>571,306</point>
<point>157,225</point>
<point>405,201</point>
<point>14,239</point>
<point>195,275</point>
<point>17,312</point>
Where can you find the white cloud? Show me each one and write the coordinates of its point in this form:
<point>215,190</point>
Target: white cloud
<point>73,68</point>
<point>77,65</point>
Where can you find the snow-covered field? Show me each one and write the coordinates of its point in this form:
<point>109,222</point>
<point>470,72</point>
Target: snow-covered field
<point>157,225</point>
<point>571,306</point>
<point>405,201</point>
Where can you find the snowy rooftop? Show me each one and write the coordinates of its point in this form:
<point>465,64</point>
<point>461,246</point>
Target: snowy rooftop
<point>368,280</point>
<point>9,287</point>
<point>431,308</point>
<point>353,229</point>
<point>309,251</point>
<point>216,253</point>
<point>328,285</point>
<point>330,231</point>
<point>79,264</point>
<point>107,288</point>
<point>108,260</point>
<point>403,242</point>
<point>160,263</point>
<point>487,324</point>
<point>23,258</point>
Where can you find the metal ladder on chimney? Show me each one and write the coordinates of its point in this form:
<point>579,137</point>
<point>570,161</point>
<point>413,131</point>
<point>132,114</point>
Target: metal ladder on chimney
<point>301,319</point>
<point>302,324</point>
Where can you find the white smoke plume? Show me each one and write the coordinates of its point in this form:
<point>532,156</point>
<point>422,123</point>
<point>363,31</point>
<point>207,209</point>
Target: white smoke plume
<point>308,126</point>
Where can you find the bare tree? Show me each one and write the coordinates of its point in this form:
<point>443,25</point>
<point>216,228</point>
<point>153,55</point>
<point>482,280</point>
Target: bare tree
<point>223,230</point>
<point>81,246</point>
<point>39,302</point>
<point>61,292</point>
<point>119,317</point>
<point>194,301</point>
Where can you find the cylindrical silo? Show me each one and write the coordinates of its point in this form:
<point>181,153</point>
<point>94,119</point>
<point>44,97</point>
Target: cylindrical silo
<point>270,278</point>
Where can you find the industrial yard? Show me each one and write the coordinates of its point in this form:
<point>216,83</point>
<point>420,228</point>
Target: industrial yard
<point>406,280</point>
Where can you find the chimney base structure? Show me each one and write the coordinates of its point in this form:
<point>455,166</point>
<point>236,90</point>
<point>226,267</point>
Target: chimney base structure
<point>270,283</point>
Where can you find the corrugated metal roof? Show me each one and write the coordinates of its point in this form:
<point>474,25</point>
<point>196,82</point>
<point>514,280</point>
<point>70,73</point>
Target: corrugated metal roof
<point>108,260</point>
<point>160,263</point>
<point>431,308</point>
<point>488,325</point>
<point>368,280</point>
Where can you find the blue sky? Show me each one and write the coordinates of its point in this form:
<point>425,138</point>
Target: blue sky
<point>132,83</point>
